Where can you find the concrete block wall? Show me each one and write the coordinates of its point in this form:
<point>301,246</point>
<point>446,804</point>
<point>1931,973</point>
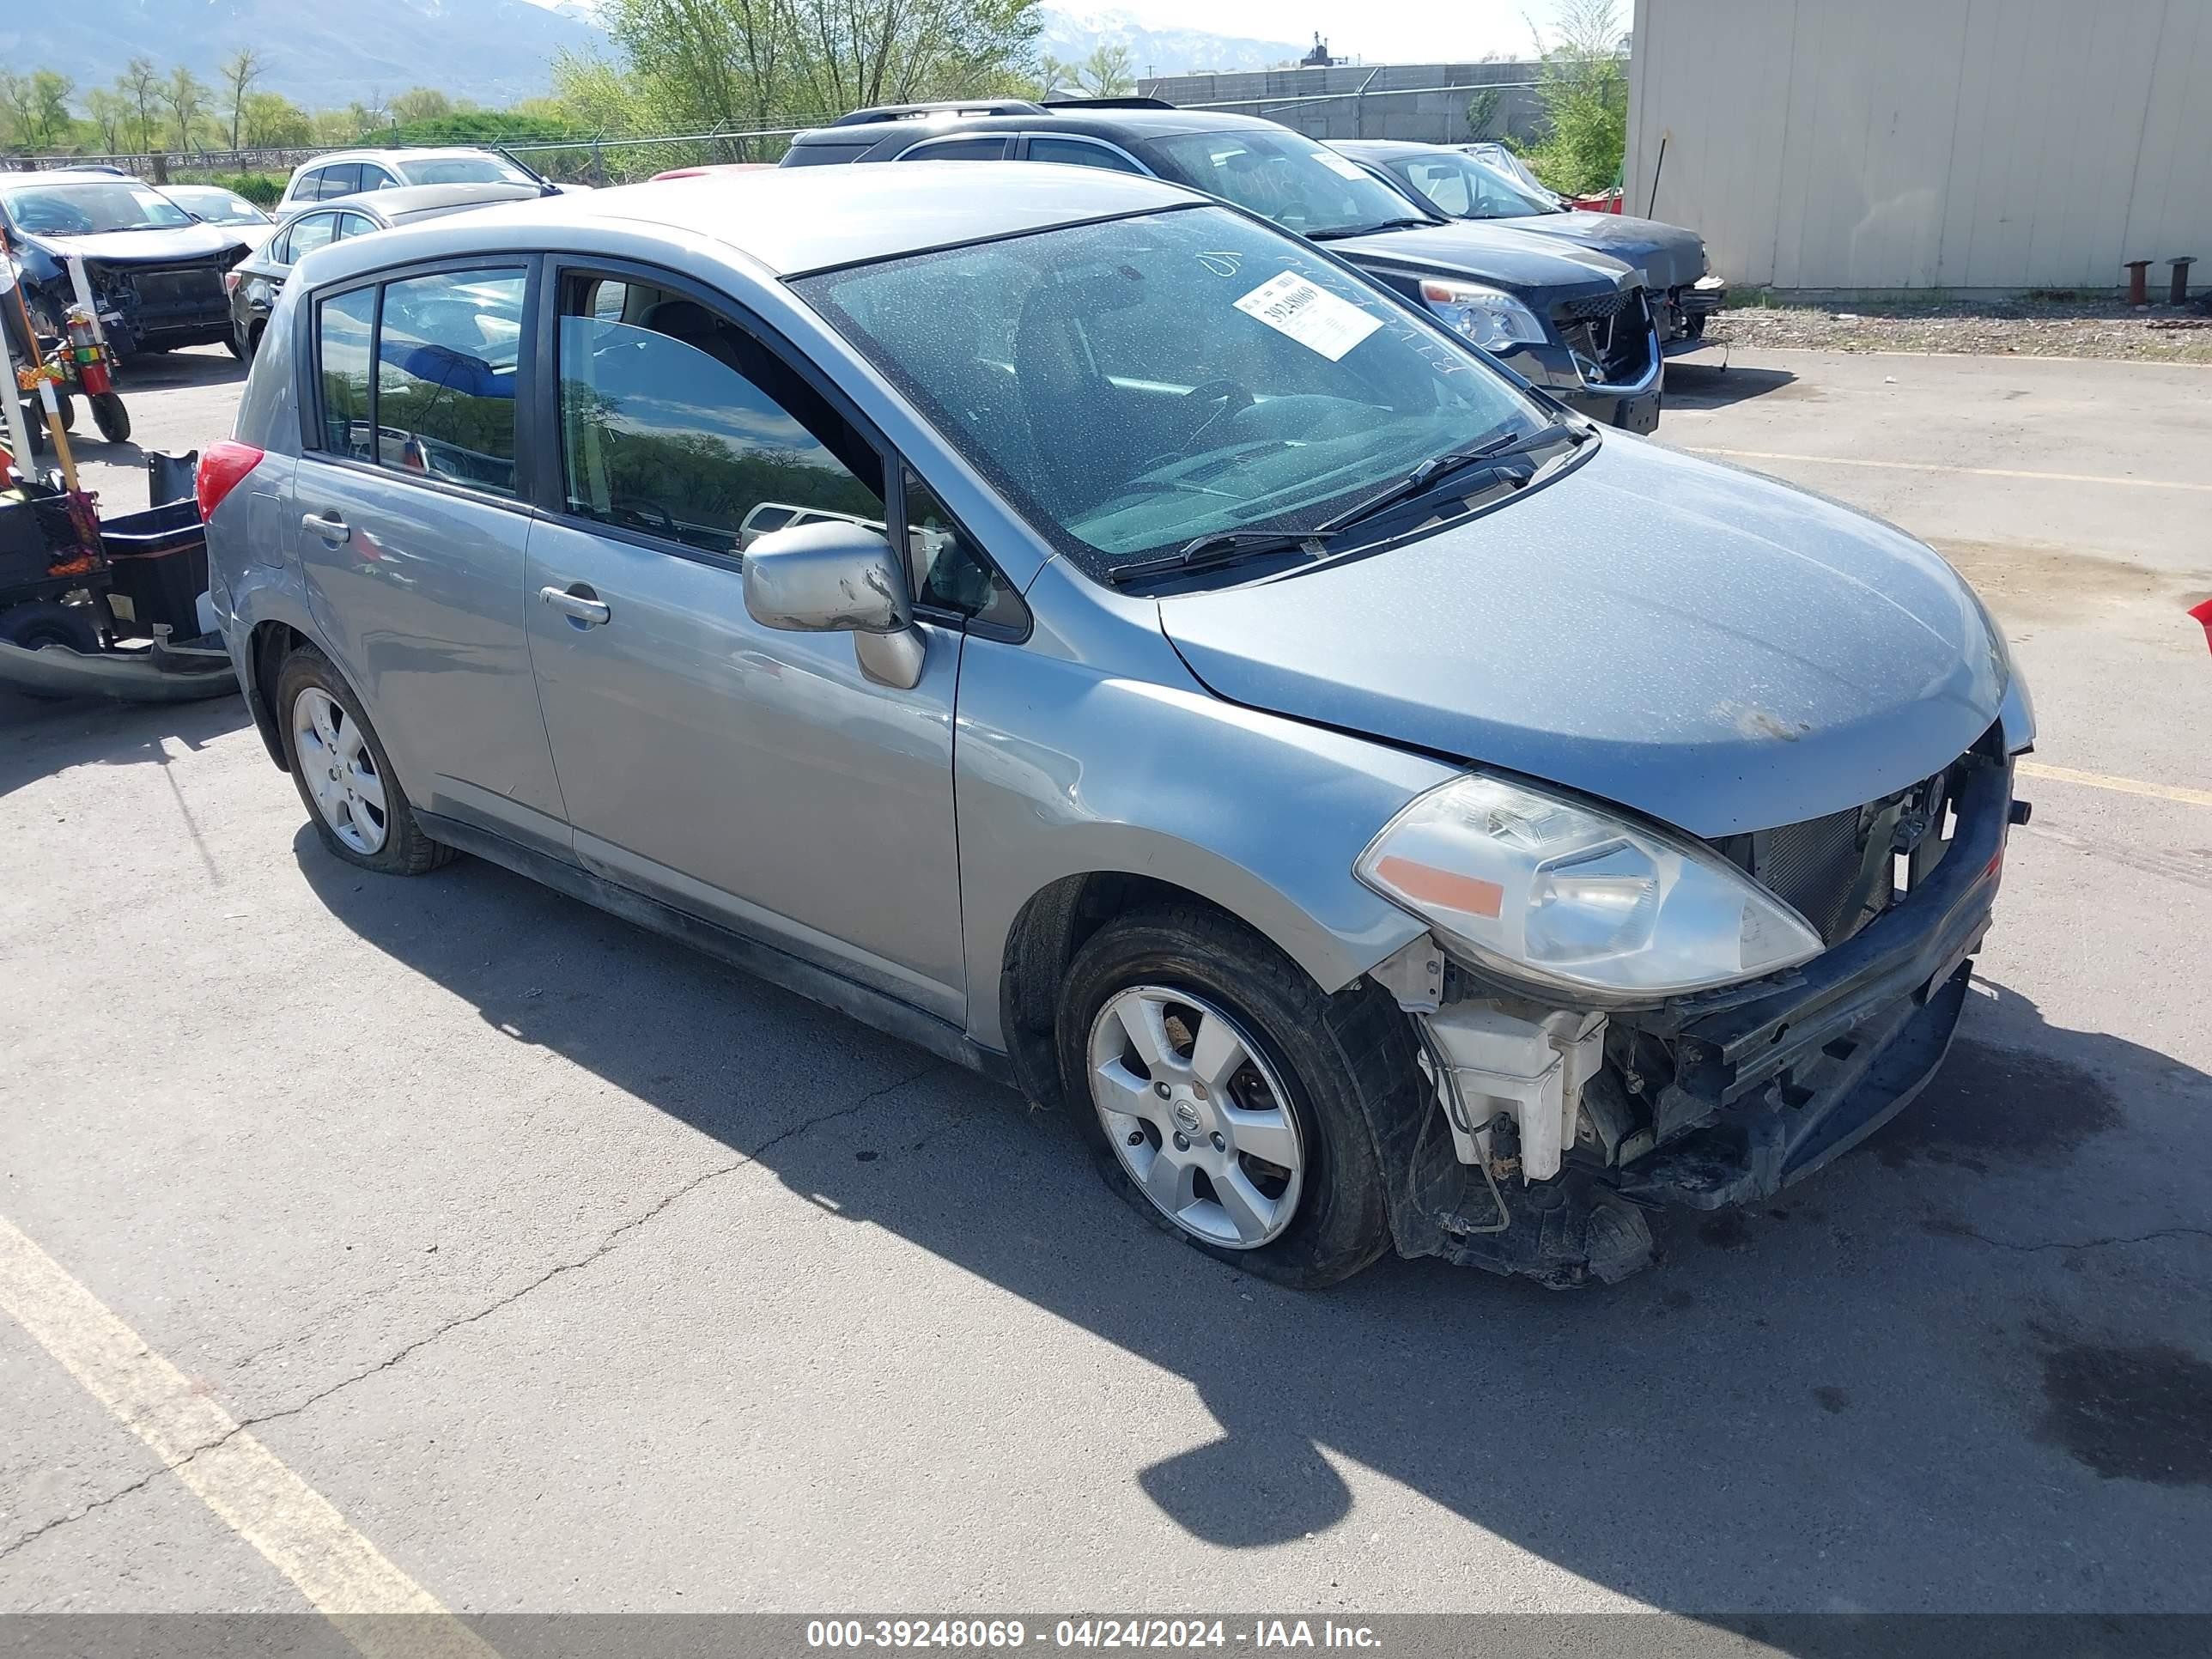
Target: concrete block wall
<point>1327,103</point>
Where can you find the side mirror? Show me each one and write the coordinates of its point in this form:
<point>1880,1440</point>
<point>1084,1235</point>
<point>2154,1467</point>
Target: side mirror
<point>838,577</point>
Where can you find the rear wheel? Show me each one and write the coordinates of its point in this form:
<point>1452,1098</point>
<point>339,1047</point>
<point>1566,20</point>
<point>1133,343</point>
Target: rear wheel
<point>345,779</point>
<point>45,622</point>
<point>67,404</point>
<point>1214,1082</point>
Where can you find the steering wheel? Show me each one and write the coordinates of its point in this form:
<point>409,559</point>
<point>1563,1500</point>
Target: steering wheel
<point>1232,397</point>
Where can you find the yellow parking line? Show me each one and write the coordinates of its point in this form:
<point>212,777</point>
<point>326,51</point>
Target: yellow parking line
<point>1936,466</point>
<point>344,1576</point>
<point>2029,768</point>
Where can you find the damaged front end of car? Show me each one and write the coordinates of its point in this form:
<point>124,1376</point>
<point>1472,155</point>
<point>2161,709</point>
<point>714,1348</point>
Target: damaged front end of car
<point>1565,1122</point>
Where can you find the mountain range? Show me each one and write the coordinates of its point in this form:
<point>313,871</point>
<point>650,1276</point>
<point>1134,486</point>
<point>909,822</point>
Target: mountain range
<point>494,52</point>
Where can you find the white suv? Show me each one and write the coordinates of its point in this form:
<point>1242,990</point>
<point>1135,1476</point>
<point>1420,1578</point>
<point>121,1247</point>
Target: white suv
<point>350,171</point>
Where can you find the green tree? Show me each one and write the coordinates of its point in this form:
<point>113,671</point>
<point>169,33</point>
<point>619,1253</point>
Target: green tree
<point>140,86</point>
<point>1585,88</point>
<point>1109,72</point>
<point>419,104</point>
<point>275,122</point>
<point>51,117</point>
<point>185,98</point>
<point>240,71</point>
<point>740,63</point>
<point>109,113</point>
<point>1482,113</point>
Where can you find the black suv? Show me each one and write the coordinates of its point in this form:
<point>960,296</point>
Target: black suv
<point>1571,321</point>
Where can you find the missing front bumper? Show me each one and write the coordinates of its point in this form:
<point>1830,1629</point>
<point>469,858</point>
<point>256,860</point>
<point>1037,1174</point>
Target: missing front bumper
<point>1770,1083</point>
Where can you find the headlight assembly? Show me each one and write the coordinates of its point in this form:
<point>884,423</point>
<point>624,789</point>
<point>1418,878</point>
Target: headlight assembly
<point>1491,319</point>
<point>1550,892</point>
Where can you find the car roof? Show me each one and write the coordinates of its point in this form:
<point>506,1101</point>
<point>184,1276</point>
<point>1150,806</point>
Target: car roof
<point>797,220</point>
<point>1089,120</point>
<point>427,199</point>
<point>1390,150</point>
<point>67,176</point>
<point>400,152</point>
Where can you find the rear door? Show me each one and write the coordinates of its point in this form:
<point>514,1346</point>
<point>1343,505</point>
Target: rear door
<point>410,520</point>
<point>752,777</point>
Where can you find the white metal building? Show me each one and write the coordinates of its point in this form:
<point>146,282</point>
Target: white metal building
<point>1959,144</point>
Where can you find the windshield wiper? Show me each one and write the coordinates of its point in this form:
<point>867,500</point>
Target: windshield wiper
<point>1364,230</point>
<point>1221,547</point>
<point>1490,454</point>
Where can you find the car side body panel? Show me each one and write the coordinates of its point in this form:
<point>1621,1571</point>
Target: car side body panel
<point>1078,753</point>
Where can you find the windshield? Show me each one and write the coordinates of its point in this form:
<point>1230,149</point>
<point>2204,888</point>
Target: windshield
<point>1464,188</point>
<point>467,170</point>
<point>216,207</point>
<point>1283,176</point>
<point>1133,384</point>
<point>90,209</point>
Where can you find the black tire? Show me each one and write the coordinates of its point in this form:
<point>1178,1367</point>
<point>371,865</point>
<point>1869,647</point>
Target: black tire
<point>109,415</point>
<point>406,850</point>
<point>230,344</point>
<point>67,404</point>
<point>48,621</point>
<point>45,622</point>
<point>1338,1057</point>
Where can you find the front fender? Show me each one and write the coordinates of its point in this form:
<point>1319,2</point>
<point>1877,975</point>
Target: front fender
<point>1060,769</point>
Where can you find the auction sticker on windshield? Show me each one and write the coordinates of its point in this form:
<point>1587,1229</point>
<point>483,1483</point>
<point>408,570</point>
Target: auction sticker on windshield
<point>1315,318</point>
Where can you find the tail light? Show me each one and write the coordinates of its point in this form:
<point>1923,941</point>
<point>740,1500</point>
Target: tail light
<point>221,466</point>
<point>230,280</point>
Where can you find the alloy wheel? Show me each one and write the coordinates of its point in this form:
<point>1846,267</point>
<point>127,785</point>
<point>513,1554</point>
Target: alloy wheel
<point>1197,1117</point>
<point>331,750</point>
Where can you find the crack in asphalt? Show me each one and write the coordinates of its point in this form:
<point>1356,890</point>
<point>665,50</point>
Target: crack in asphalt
<point>614,1237</point>
<point>46,1526</point>
<point>1959,1230</point>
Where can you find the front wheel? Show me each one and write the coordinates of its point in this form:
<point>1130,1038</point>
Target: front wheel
<point>109,415</point>
<point>1227,1097</point>
<point>345,779</point>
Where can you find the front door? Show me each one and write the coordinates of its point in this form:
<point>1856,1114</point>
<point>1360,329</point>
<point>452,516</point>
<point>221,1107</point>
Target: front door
<point>752,777</point>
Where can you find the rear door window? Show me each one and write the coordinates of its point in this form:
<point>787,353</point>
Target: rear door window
<point>308,233</point>
<point>1075,152</point>
<point>343,178</point>
<point>354,224</point>
<point>992,147</point>
<point>448,348</point>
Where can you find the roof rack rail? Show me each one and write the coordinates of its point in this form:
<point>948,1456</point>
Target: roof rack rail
<point>956,106</point>
<point>1054,100</point>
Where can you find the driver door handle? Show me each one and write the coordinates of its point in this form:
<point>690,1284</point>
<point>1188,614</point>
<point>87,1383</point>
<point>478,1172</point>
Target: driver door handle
<point>578,604</point>
<point>330,529</point>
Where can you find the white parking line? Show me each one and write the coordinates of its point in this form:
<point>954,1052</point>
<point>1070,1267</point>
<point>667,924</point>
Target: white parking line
<point>1937,466</point>
<point>344,1576</point>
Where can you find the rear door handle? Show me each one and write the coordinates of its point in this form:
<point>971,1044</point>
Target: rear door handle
<point>578,603</point>
<point>330,529</point>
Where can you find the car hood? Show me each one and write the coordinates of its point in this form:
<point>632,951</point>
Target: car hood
<point>1516,259</point>
<point>144,247</point>
<point>1706,647</point>
<point>1668,255</point>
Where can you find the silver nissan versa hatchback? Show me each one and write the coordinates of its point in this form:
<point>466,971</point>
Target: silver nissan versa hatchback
<point>1073,625</point>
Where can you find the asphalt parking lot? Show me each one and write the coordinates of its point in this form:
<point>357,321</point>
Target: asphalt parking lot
<point>569,1270</point>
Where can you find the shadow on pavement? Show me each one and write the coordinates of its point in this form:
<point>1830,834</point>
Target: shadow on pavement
<point>163,371</point>
<point>1839,1401</point>
<point>38,739</point>
<point>1695,385</point>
